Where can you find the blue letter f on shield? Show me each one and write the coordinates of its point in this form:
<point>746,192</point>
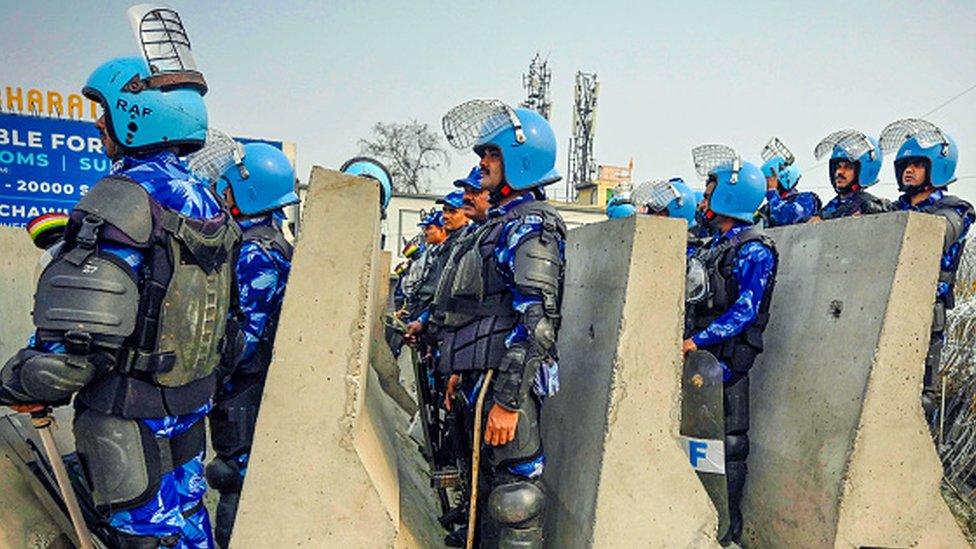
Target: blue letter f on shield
<point>696,451</point>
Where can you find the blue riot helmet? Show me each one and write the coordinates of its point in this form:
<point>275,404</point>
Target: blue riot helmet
<point>453,199</point>
<point>619,207</point>
<point>685,204</point>
<point>921,141</point>
<point>264,181</point>
<point>364,166</point>
<point>525,139</point>
<point>435,218</point>
<point>673,198</point>
<point>788,175</point>
<point>145,111</point>
<point>853,146</point>
<point>780,162</point>
<point>473,180</point>
<point>740,187</point>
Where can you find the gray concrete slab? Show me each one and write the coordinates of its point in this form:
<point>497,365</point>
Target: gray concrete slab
<point>840,455</point>
<point>615,473</point>
<point>18,263</point>
<point>322,472</point>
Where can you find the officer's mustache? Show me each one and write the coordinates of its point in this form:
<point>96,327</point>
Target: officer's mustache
<point>468,203</point>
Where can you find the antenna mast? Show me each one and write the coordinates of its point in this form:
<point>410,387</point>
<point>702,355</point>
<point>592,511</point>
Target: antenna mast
<point>582,167</point>
<point>536,84</point>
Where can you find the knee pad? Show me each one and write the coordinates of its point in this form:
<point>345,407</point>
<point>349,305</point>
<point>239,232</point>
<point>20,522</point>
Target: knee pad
<point>517,503</point>
<point>736,447</point>
<point>224,475</point>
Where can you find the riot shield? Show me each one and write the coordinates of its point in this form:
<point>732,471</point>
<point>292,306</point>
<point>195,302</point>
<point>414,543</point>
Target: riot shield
<point>703,427</point>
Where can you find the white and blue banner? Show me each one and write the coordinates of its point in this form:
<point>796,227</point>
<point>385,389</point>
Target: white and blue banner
<point>48,164</point>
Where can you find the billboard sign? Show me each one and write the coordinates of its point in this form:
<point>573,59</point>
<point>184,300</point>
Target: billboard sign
<point>48,164</point>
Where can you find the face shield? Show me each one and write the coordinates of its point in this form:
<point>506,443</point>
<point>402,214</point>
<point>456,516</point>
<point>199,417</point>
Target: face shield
<point>924,132</point>
<point>219,152</point>
<point>775,148</point>
<point>478,120</point>
<point>852,143</point>
<point>709,158</point>
<point>696,281</point>
<point>655,196</point>
<point>164,43</point>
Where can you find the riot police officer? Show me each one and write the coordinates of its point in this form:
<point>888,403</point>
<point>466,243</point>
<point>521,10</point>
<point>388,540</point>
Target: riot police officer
<point>672,198</point>
<point>621,204</point>
<point>255,191</point>
<point>925,166</point>
<point>784,204</point>
<point>728,319</point>
<point>855,162</point>
<point>475,201</point>
<point>499,306</point>
<point>138,333</point>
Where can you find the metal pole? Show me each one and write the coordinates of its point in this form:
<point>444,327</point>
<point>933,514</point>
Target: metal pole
<point>42,423</point>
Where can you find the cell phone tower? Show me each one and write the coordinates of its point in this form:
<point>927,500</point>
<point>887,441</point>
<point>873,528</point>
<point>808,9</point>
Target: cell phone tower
<point>582,167</point>
<point>536,84</point>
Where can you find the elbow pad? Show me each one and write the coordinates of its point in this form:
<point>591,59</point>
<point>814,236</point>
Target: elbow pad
<point>33,376</point>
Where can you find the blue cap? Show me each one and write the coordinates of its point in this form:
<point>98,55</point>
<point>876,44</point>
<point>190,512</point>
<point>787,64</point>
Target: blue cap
<point>473,179</point>
<point>433,218</point>
<point>454,199</point>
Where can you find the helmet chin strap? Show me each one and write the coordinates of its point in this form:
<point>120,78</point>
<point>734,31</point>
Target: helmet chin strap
<point>500,193</point>
<point>912,190</point>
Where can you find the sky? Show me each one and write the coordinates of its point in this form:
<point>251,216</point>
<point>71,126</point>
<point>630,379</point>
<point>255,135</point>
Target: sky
<point>672,74</point>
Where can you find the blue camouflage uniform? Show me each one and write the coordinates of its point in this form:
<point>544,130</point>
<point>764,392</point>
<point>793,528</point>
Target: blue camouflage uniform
<point>181,491</point>
<point>959,218</point>
<point>262,275</point>
<point>755,265</point>
<point>952,253</point>
<point>513,233</point>
<point>789,208</point>
<point>262,267</point>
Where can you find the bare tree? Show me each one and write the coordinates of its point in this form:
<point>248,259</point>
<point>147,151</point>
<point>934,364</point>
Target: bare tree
<point>411,151</point>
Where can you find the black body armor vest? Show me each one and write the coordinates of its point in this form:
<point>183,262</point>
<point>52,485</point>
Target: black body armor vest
<point>472,308</point>
<point>948,206</point>
<point>861,202</point>
<point>165,365</point>
<point>738,352</point>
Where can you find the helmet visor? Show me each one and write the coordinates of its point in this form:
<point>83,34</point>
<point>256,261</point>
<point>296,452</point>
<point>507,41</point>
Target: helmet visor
<point>655,195</point>
<point>925,133</point>
<point>478,120</point>
<point>696,281</point>
<point>852,142</point>
<point>709,158</point>
<point>219,152</point>
<point>774,148</point>
<point>164,43</point>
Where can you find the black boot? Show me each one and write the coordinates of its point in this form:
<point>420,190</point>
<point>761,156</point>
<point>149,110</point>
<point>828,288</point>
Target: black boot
<point>735,479</point>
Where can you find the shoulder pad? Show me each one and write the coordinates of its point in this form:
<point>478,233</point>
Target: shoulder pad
<point>122,203</point>
<point>97,297</point>
<point>269,238</point>
<point>551,220</point>
<point>954,202</point>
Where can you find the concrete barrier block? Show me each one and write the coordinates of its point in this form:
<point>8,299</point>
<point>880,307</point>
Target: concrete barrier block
<point>18,266</point>
<point>616,474</point>
<point>322,471</point>
<point>840,454</point>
